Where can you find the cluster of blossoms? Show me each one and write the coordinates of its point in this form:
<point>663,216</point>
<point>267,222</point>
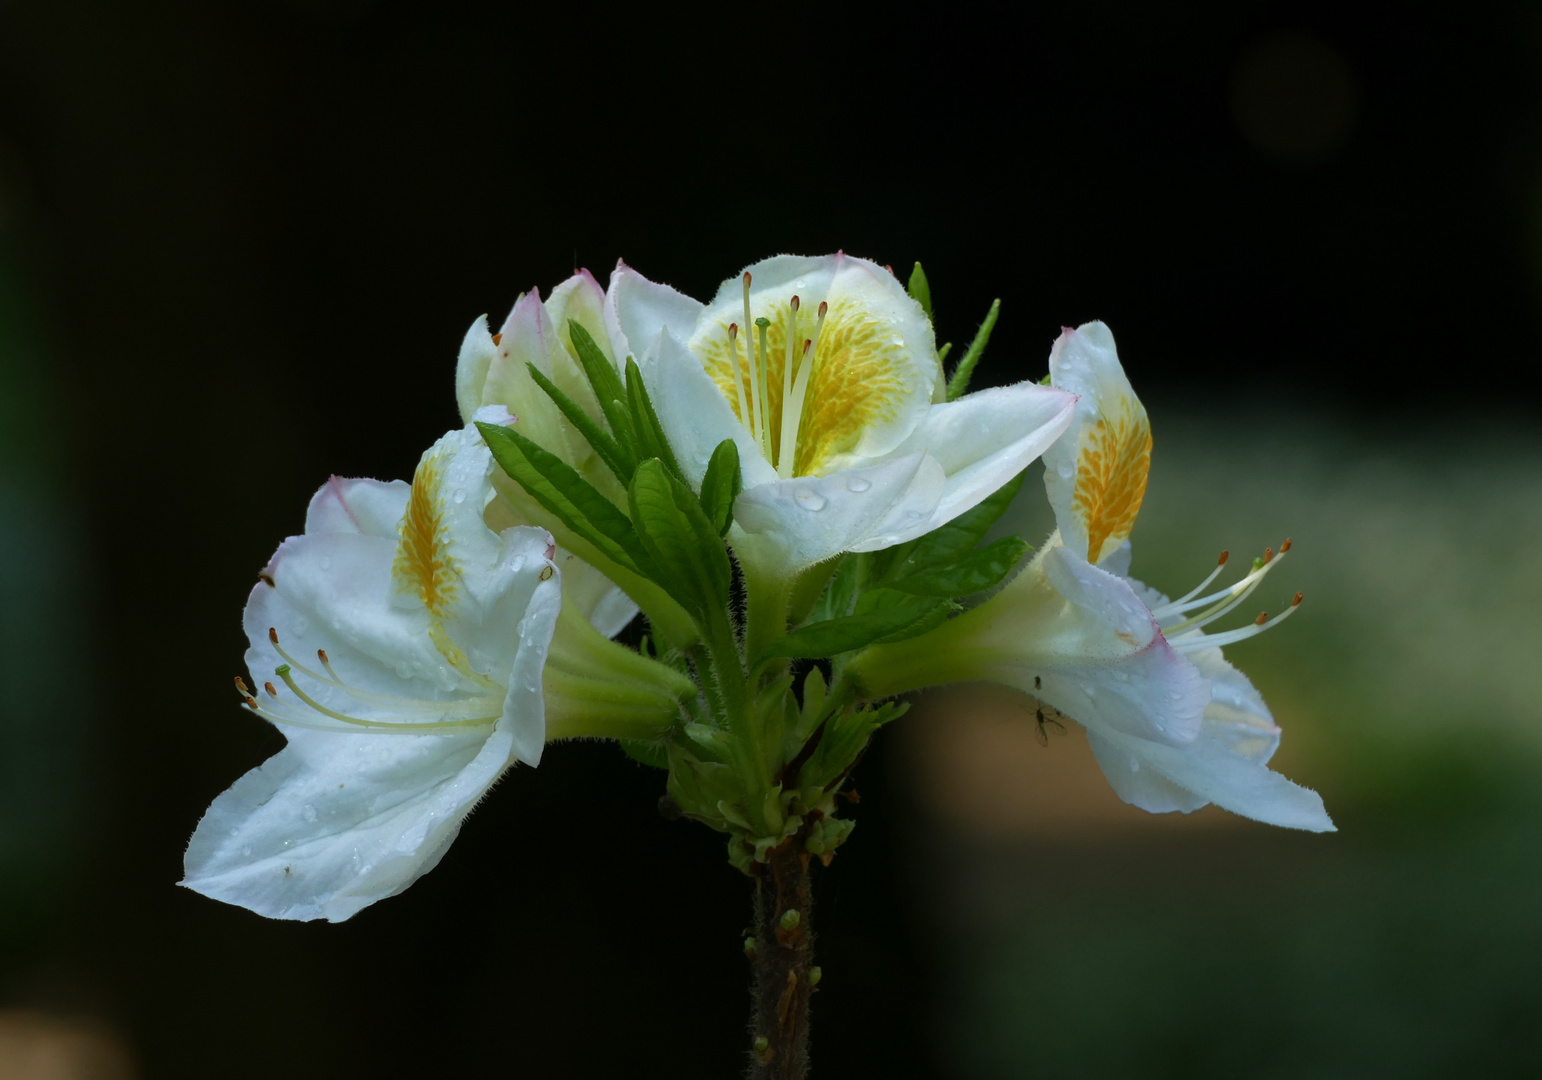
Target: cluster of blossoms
<point>789,488</point>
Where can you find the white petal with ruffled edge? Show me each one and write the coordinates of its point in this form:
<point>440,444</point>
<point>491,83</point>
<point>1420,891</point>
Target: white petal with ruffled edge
<point>1095,474</point>
<point>429,690</point>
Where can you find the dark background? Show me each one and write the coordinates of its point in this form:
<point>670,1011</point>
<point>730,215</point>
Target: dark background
<point>241,242</point>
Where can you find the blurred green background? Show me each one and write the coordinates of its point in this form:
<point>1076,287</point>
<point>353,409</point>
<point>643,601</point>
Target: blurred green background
<point>1080,942</point>
<point>239,245</point>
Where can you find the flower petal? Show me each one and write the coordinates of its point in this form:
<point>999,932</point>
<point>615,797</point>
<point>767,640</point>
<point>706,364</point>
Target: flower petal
<point>336,821</point>
<point>637,309</point>
<point>983,440</point>
<point>1211,770</point>
<point>580,299</point>
<point>808,519</point>
<point>1096,472</point>
<point>695,415</point>
<point>476,355</point>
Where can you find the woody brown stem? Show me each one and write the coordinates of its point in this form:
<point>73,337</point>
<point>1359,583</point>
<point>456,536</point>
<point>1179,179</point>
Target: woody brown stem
<point>783,958</point>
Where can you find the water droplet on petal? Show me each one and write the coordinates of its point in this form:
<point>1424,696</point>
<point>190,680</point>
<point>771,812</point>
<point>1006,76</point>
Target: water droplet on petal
<point>247,850</point>
<point>858,483</point>
<point>1134,765</point>
<point>325,563</point>
<point>459,496</point>
<point>810,500</point>
<point>308,812</point>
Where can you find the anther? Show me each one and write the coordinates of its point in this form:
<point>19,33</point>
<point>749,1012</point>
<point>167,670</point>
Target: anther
<point>1296,601</point>
<point>1285,546</point>
<point>497,339</point>
<point>273,635</point>
<point>321,654</point>
<point>267,579</point>
<point>1268,555</point>
<point>1263,617</point>
<point>795,302</point>
<point>272,693</point>
<point>242,687</point>
<point>824,309</point>
<point>1224,556</point>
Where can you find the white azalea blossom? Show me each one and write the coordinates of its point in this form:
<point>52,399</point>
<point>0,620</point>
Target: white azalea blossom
<point>399,644</point>
<point>1173,725</point>
<point>825,373</point>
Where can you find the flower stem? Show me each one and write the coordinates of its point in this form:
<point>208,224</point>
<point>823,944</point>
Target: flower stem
<point>783,957</point>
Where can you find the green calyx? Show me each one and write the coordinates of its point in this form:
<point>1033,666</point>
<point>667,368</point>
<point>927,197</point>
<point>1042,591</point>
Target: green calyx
<point>741,690</point>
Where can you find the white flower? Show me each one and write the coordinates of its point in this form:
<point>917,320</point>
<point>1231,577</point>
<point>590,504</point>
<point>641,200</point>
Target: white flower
<point>1173,725</point>
<point>825,373</point>
<point>399,644</point>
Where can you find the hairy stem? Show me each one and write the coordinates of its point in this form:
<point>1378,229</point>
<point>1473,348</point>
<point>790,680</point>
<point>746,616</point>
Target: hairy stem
<point>783,959</point>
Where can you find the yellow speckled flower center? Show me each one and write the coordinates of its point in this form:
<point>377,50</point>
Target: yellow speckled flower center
<point>857,366</point>
<point>1112,463</point>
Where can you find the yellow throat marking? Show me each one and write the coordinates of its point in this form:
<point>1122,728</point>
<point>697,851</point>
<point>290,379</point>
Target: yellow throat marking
<point>424,565</point>
<point>857,380</point>
<point>1112,463</point>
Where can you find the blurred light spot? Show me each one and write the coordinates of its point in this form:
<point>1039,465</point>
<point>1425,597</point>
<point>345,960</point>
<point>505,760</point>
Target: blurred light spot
<point>37,1046</point>
<point>1294,97</point>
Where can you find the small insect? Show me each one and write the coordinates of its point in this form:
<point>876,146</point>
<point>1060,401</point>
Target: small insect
<point>1046,717</point>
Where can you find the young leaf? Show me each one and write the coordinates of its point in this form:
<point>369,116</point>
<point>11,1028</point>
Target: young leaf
<point>959,382</point>
<point>616,459</point>
<point>818,640</point>
<point>557,486</point>
<point>721,486</point>
<point>607,386</point>
<point>682,547</point>
<point>975,572</point>
<point>920,291</point>
<point>958,537</point>
<point>645,422</point>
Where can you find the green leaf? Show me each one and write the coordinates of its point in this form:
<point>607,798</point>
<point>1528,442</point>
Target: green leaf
<point>608,390</point>
<point>1046,380</point>
<point>645,422</point>
<point>683,548</point>
<point>959,382</point>
<point>839,594</point>
<point>818,640</point>
<point>958,537</point>
<point>644,752</point>
<point>721,486</point>
<point>975,572</point>
<point>616,459</point>
<point>920,291</point>
<point>557,486</point>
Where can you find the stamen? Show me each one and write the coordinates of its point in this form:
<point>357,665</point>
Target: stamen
<point>1219,566</point>
<point>733,360</point>
<point>1285,546</point>
<point>1194,641</point>
<point>241,687</point>
<point>414,706</point>
<point>756,397</point>
<point>283,672</point>
<point>762,324</point>
<point>794,408</point>
<point>1263,617</point>
<point>272,693</point>
<point>789,426</point>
